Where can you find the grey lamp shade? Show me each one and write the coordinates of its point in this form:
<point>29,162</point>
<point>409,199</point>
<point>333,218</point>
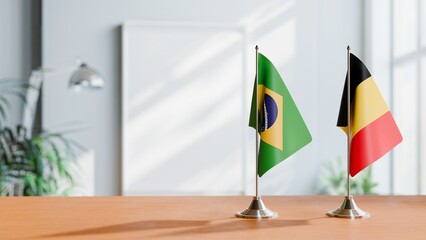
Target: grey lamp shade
<point>86,77</point>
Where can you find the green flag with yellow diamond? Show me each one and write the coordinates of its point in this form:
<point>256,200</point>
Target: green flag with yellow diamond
<point>281,127</point>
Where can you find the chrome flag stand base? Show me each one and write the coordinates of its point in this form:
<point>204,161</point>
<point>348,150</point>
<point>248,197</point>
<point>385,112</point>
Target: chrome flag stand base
<point>349,209</point>
<point>257,209</point>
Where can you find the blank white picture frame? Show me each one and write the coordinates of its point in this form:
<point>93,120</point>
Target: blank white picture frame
<point>184,115</point>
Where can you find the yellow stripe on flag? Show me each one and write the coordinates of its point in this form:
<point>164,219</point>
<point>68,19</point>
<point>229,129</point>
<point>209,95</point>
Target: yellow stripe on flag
<point>368,106</point>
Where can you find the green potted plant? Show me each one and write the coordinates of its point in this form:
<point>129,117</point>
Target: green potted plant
<point>41,164</point>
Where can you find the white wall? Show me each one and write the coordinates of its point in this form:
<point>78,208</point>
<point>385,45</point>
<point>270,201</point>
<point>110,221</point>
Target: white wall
<point>378,58</point>
<point>394,57</point>
<point>15,47</point>
<point>305,39</point>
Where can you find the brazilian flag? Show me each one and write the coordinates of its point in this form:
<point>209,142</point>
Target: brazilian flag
<point>280,125</point>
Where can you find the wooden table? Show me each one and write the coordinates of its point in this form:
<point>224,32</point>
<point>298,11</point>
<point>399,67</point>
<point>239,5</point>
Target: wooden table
<point>301,217</point>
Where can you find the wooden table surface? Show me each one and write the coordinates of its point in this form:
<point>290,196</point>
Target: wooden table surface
<point>301,217</point>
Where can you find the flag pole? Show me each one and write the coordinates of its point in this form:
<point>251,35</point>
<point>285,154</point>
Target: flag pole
<point>348,182</point>
<point>348,209</point>
<point>257,208</point>
<point>257,122</point>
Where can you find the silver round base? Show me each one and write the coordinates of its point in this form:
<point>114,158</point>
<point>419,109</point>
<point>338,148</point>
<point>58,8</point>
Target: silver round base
<point>257,209</point>
<point>349,209</point>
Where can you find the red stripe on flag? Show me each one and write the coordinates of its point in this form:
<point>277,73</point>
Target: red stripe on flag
<point>373,141</point>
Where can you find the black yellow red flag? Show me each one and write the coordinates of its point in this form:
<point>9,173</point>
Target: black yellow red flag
<point>373,129</point>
